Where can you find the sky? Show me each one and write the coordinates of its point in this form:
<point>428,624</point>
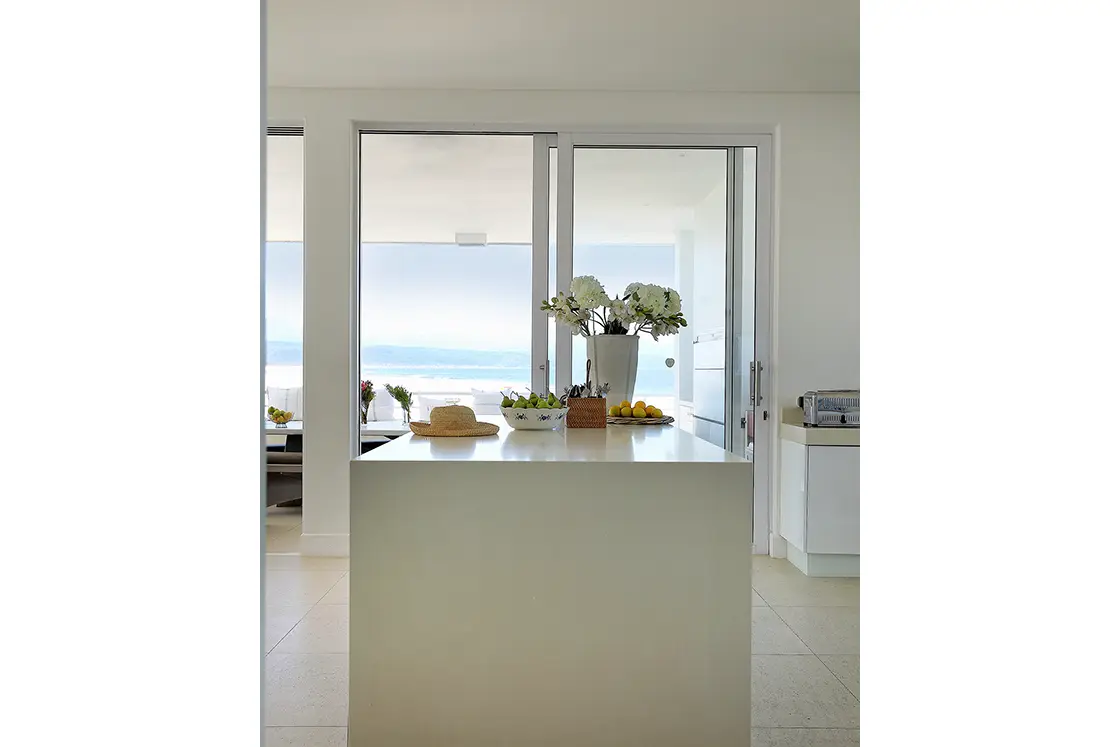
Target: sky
<point>450,296</point>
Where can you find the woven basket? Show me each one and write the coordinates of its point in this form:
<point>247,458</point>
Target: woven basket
<point>588,412</point>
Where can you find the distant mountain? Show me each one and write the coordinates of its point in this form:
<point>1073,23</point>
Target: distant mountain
<point>291,354</point>
<point>393,355</point>
<point>284,353</point>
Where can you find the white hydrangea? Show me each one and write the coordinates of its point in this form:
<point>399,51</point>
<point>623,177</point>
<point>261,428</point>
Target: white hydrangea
<point>588,292</point>
<point>673,305</point>
<point>573,318</point>
<point>587,308</point>
<point>652,298</point>
<point>621,311</point>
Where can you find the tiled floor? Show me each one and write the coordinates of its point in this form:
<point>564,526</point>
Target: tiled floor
<point>805,688</point>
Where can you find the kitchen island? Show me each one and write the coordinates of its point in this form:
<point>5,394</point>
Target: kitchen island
<point>568,587</point>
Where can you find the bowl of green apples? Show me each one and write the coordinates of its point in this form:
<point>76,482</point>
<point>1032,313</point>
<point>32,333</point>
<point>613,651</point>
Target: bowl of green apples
<point>533,412</point>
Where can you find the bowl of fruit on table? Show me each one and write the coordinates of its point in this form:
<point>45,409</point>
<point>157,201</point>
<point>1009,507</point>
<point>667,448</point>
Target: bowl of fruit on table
<point>639,413</point>
<point>533,412</point>
<point>280,417</point>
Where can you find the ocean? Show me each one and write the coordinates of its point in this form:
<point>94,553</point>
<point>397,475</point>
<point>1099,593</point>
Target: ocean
<point>652,381</point>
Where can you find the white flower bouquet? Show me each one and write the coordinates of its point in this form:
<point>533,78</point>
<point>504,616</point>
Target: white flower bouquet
<point>644,307</point>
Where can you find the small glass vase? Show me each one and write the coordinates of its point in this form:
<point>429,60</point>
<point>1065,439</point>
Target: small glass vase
<point>363,412</point>
<point>407,418</point>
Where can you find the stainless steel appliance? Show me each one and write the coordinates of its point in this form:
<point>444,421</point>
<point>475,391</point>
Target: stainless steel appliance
<point>708,386</point>
<point>830,407</point>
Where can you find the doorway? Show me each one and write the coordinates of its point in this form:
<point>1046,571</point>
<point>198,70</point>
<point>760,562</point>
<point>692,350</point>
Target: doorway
<point>689,212</point>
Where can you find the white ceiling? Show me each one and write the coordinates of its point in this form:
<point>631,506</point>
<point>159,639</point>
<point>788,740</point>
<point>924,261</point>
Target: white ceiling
<point>427,188</point>
<point>611,45</point>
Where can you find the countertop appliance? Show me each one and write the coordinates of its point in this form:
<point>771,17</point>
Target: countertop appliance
<point>830,407</point>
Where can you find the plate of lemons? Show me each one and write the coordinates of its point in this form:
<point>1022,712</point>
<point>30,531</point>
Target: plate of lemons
<point>638,413</point>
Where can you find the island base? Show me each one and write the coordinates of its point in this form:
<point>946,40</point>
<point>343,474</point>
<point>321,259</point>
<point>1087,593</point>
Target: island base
<point>550,603</point>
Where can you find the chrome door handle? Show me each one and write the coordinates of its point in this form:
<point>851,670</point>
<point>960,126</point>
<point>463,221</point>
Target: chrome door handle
<point>757,386</point>
<point>752,378</point>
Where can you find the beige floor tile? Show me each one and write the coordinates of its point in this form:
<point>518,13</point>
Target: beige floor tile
<point>283,517</point>
<point>295,562</point>
<point>305,736</point>
<point>825,630</point>
<point>279,621</point>
<point>756,600</point>
<point>770,635</point>
<point>844,667</point>
<point>799,691</point>
<point>340,594</point>
<point>283,540</point>
<point>323,630</point>
<point>782,585</point>
<point>306,689</point>
<point>804,737</point>
<point>298,587</point>
<point>274,532</point>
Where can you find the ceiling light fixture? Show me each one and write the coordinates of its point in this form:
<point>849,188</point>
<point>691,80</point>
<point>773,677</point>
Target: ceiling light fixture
<point>470,239</point>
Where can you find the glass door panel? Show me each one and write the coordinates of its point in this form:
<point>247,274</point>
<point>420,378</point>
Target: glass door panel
<point>659,216</point>
<point>445,289</point>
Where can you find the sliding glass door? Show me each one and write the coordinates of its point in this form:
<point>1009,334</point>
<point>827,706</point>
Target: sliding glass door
<point>658,216</point>
<point>690,213</point>
<point>446,266</point>
<point>462,235</point>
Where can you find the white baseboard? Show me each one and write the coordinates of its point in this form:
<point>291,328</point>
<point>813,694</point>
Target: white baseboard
<point>325,545</point>
<point>818,565</point>
<point>777,546</point>
<point>797,557</point>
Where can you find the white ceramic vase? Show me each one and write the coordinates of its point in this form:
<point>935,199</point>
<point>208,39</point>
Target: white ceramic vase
<point>614,361</point>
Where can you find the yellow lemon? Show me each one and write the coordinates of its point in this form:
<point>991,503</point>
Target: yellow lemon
<point>649,407</point>
<point>657,413</point>
<point>639,412</point>
<point>614,411</point>
<point>639,405</point>
<point>624,403</point>
<point>626,411</point>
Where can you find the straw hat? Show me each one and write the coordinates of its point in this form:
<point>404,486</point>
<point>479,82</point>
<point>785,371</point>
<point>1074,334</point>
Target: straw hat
<point>453,420</point>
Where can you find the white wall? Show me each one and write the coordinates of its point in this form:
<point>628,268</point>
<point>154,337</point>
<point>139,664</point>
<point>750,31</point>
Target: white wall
<point>816,341</point>
<point>710,270</point>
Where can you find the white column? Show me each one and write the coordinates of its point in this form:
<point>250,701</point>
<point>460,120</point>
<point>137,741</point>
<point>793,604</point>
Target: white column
<point>686,286</point>
<point>329,334</point>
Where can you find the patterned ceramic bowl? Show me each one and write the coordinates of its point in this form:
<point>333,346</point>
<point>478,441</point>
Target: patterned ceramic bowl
<point>531,419</point>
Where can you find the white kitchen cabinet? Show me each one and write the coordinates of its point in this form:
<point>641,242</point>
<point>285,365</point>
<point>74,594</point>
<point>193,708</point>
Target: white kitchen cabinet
<point>819,506</point>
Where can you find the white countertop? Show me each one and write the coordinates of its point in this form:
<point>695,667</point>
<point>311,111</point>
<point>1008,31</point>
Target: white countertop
<point>611,444</point>
<point>794,429</point>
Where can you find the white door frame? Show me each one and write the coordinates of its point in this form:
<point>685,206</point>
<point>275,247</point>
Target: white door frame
<point>539,357</point>
<point>760,137</point>
<point>737,380</point>
<point>766,417</point>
